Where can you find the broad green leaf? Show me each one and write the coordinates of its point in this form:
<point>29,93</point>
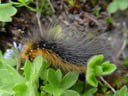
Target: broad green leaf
<point>112,7</point>
<point>8,61</point>
<point>95,60</point>
<point>78,86</point>
<point>24,89</point>
<point>98,70</point>
<point>91,79</point>
<point>122,92</point>
<point>9,77</point>
<point>49,88</point>
<point>44,71</point>
<point>108,68</point>
<point>70,93</point>
<point>53,78</point>
<point>45,65</point>
<point>90,92</point>
<point>11,62</point>
<point>122,4</point>
<point>117,4</point>
<point>5,93</point>
<point>21,90</point>
<point>59,75</point>
<point>53,90</point>
<point>44,75</point>
<point>69,80</point>
<point>6,11</point>
<point>94,69</point>
<point>24,1</point>
<point>27,69</point>
<point>36,66</point>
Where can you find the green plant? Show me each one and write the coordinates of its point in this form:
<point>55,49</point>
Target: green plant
<point>109,20</point>
<point>7,10</point>
<point>96,10</point>
<point>96,68</point>
<point>17,84</point>
<point>26,83</point>
<point>90,92</point>
<point>125,62</point>
<point>37,75</point>
<point>117,4</point>
<point>58,86</point>
<point>122,92</point>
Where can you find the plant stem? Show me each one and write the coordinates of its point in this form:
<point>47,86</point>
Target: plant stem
<point>38,18</point>
<point>103,80</point>
<point>30,7</point>
<point>51,6</point>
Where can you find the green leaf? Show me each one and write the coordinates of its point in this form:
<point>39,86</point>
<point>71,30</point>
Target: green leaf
<point>44,71</point>
<point>11,62</point>
<point>122,92</point>
<point>91,79</point>
<point>9,77</point>
<point>98,70</point>
<point>117,4</point>
<point>6,11</point>
<point>27,69</point>
<point>24,1</point>
<point>95,60</point>
<point>21,90</point>
<point>53,90</point>
<point>112,8</point>
<point>5,93</point>
<point>69,80</point>
<point>78,86</point>
<point>31,71</point>
<point>49,88</point>
<point>70,93</point>
<point>59,75</point>
<point>94,69</point>
<point>36,66</point>
<point>90,92</point>
<point>122,4</point>
<point>109,20</point>
<point>54,77</point>
<point>24,89</point>
<point>108,68</point>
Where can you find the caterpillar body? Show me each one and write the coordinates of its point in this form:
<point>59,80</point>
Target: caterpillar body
<point>64,51</point>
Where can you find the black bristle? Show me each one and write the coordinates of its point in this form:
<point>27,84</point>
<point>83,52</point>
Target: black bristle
<point>73,50</point>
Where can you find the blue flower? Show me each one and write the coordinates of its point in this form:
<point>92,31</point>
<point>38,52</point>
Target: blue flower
<point>18,47</point>
<point>9,52</point>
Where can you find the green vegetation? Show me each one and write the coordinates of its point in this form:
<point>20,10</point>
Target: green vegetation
<point>7,10</point>
<point>97,68</point>
<point>117,4</point>
<point>25,81</point>
<point>37,78</point>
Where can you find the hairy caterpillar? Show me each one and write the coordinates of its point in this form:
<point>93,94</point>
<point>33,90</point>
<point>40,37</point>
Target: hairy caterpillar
<point>64,51</point>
